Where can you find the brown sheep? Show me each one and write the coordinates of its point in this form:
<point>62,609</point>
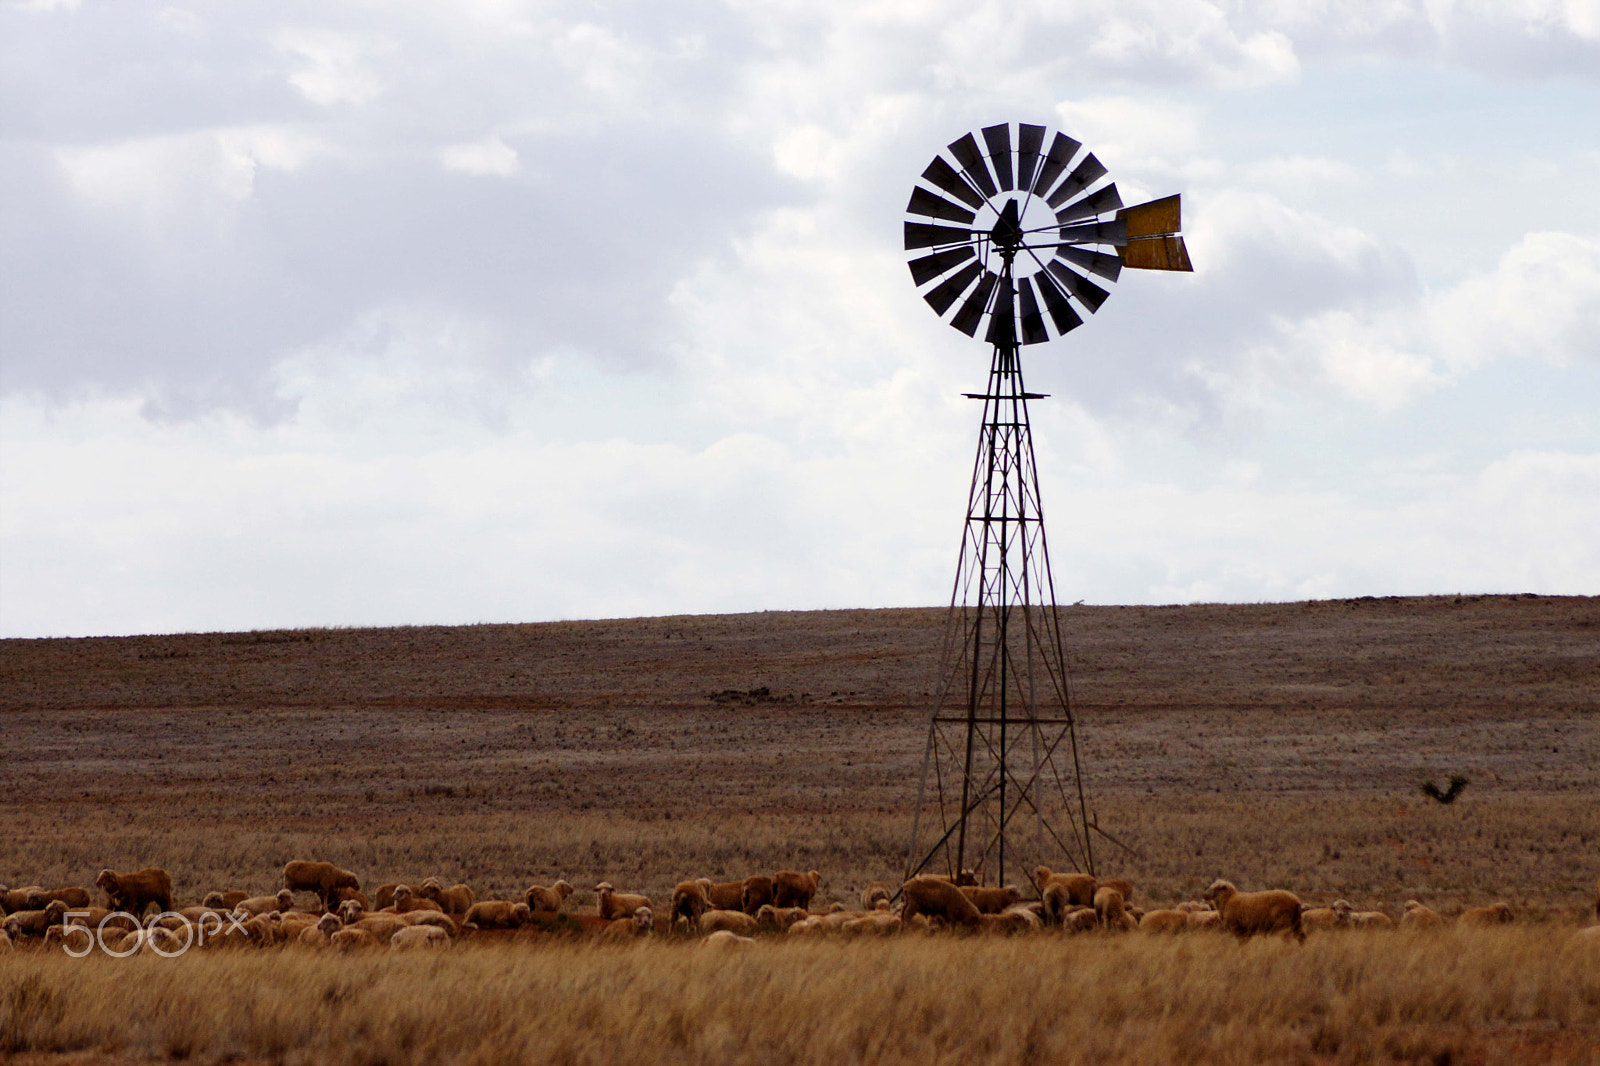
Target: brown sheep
<point>419,936</point>
<point>318,935</point>
<point>323,878</point>
<point>406,901</point>
<point>1080,888</point>
<point>734,921</point>
<point>136,891</point>
<point>937,898</point>
<point>1080,920</point>
<point>873,893</point>
<point>640,924</point>
<point>1164,921</point>
<point>540,898</point>
<point>1111,912</point>
<point>613,904</point>
<point>790,888</point>
<point>350,910</point>
<point>497,914</point>
<point>5,941</point>
<point>34,923</point>
<point>224,901</point>
<point>1246,914</point>
<point>1418,916</point>
<point>878,923</point>
<point>76,898</point>
<point>689,902</point>
<point>1334,917</point>
<point>30,898</point>
<point>74,939</point>
<point>1371,920</point>
<point>1494,914</point>
<point>1007,923</point>
<point>259,905</point>
<point>723,895</point>
<point>352,937</point>
<point>437,919</point>
<point>780,917</point>
<point>344,895</point>
<point>992,900</point>
<point>381,926</point>
<point>1125,887</point>
<point>453,900</point>
<point>757,892</point>
<point>722,939</point>
<point>1056,902</point>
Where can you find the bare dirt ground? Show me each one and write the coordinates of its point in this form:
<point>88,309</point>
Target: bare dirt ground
<point>1278,744</point>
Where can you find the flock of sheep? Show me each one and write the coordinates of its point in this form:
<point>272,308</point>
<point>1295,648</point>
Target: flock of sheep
<point>727,913</point>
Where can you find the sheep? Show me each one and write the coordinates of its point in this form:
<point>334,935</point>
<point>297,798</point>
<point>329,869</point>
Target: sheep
<point>1246,914</point>
<point>224,901</point>
<point>5,941</point>
<point>74,897</point>
<point>540,898</point>
<point>780,917</point>
<point>1080,920</point>
<point>1056,902</point>
<point>420,936</point>
<point>1494,914</point>
<point>613,904</point>
<point>1007,923</point>
<point>1371,920</point>
<point>30,898</point>
<point>1164,921</point>
<point>1111,912</point>
<point>992,900</point>
<point>260,905</point>
<point>790,888</point>
<point>406,901</point>
<point>383,898</point>
<point>320,934</point>
<point>74,939</point>
<point>873,893</point>
<point>352,937</point>
<point>723,895</point>
<point>323,878</point>
<point>878,923</point>
<point>757,891</point>
<point>341,895</point>
<point>642,923</point>
<point>734,921</point>
<point>160,940</point>
<point>1080,888</point>
<point>1204,920</point>
<point>381,926</point>
<point>689,902</point>
<point>1418,916</point>
<point>1125,887</point>
<point>453,900</point>
<point>937,898</point>
<point>1334,917</point>
<point>34,923</point>
<point>814,926</point>
<point>92,917</point>
<point>136,891</point>
<point>723,939</point>
<point>350,910</point>
<point>497,914</point>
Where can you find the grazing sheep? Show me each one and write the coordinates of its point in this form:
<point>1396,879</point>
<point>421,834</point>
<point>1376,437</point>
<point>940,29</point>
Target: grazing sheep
<point>790,888</point>
<point>136,891</point>
<point>224,901</point>
<point>733,921</point>
<point>757,891</point>
<point>453,900</point>
<point>1080,888</point>
<point>1204,920</point>
<point>74,897</point>
<point>420,936</point>
<point>1164,921</point>
<point>723,895</point>
<point>34,923</point>
<point>497,914</point>
<point>937,898</point>
<point>723,939</point>
<point>1246,914</point>
<point>1418,916</point>
<point>323,878</point>
<point>992,900</point>
<point>874,892</point>
<point>1334,917</point>
<point>689,902</point>
<point>540,898</point>
<point>30,898</point>
<point>613,904</point>
<point>1111,912</point>
<point>1494,914</point>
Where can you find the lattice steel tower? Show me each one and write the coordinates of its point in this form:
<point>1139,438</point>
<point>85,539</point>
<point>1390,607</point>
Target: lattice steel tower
<point>1002,783</point>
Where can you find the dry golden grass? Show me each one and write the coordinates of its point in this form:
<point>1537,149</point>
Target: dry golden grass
<point>1510,995</point>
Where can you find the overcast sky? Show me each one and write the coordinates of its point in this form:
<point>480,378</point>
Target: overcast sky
<point>375,313</point>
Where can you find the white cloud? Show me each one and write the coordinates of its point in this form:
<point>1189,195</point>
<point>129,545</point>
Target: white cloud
<point>1541,301</point>
<point>330,68</point>
<point>490,157</point>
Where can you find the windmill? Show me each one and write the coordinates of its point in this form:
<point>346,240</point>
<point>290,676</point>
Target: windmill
<point>1011,233</point>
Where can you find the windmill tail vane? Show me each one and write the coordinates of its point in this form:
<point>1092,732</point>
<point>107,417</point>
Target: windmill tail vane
<point>1038,234</point>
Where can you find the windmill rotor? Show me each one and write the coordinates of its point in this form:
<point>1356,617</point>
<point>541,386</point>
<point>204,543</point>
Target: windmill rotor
<point>1011,234</point>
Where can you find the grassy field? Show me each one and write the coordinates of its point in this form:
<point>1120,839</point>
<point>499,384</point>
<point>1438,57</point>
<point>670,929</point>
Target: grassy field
<point>1278,745</point>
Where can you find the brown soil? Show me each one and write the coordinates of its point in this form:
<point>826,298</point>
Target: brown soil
<point>1278,743</point>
